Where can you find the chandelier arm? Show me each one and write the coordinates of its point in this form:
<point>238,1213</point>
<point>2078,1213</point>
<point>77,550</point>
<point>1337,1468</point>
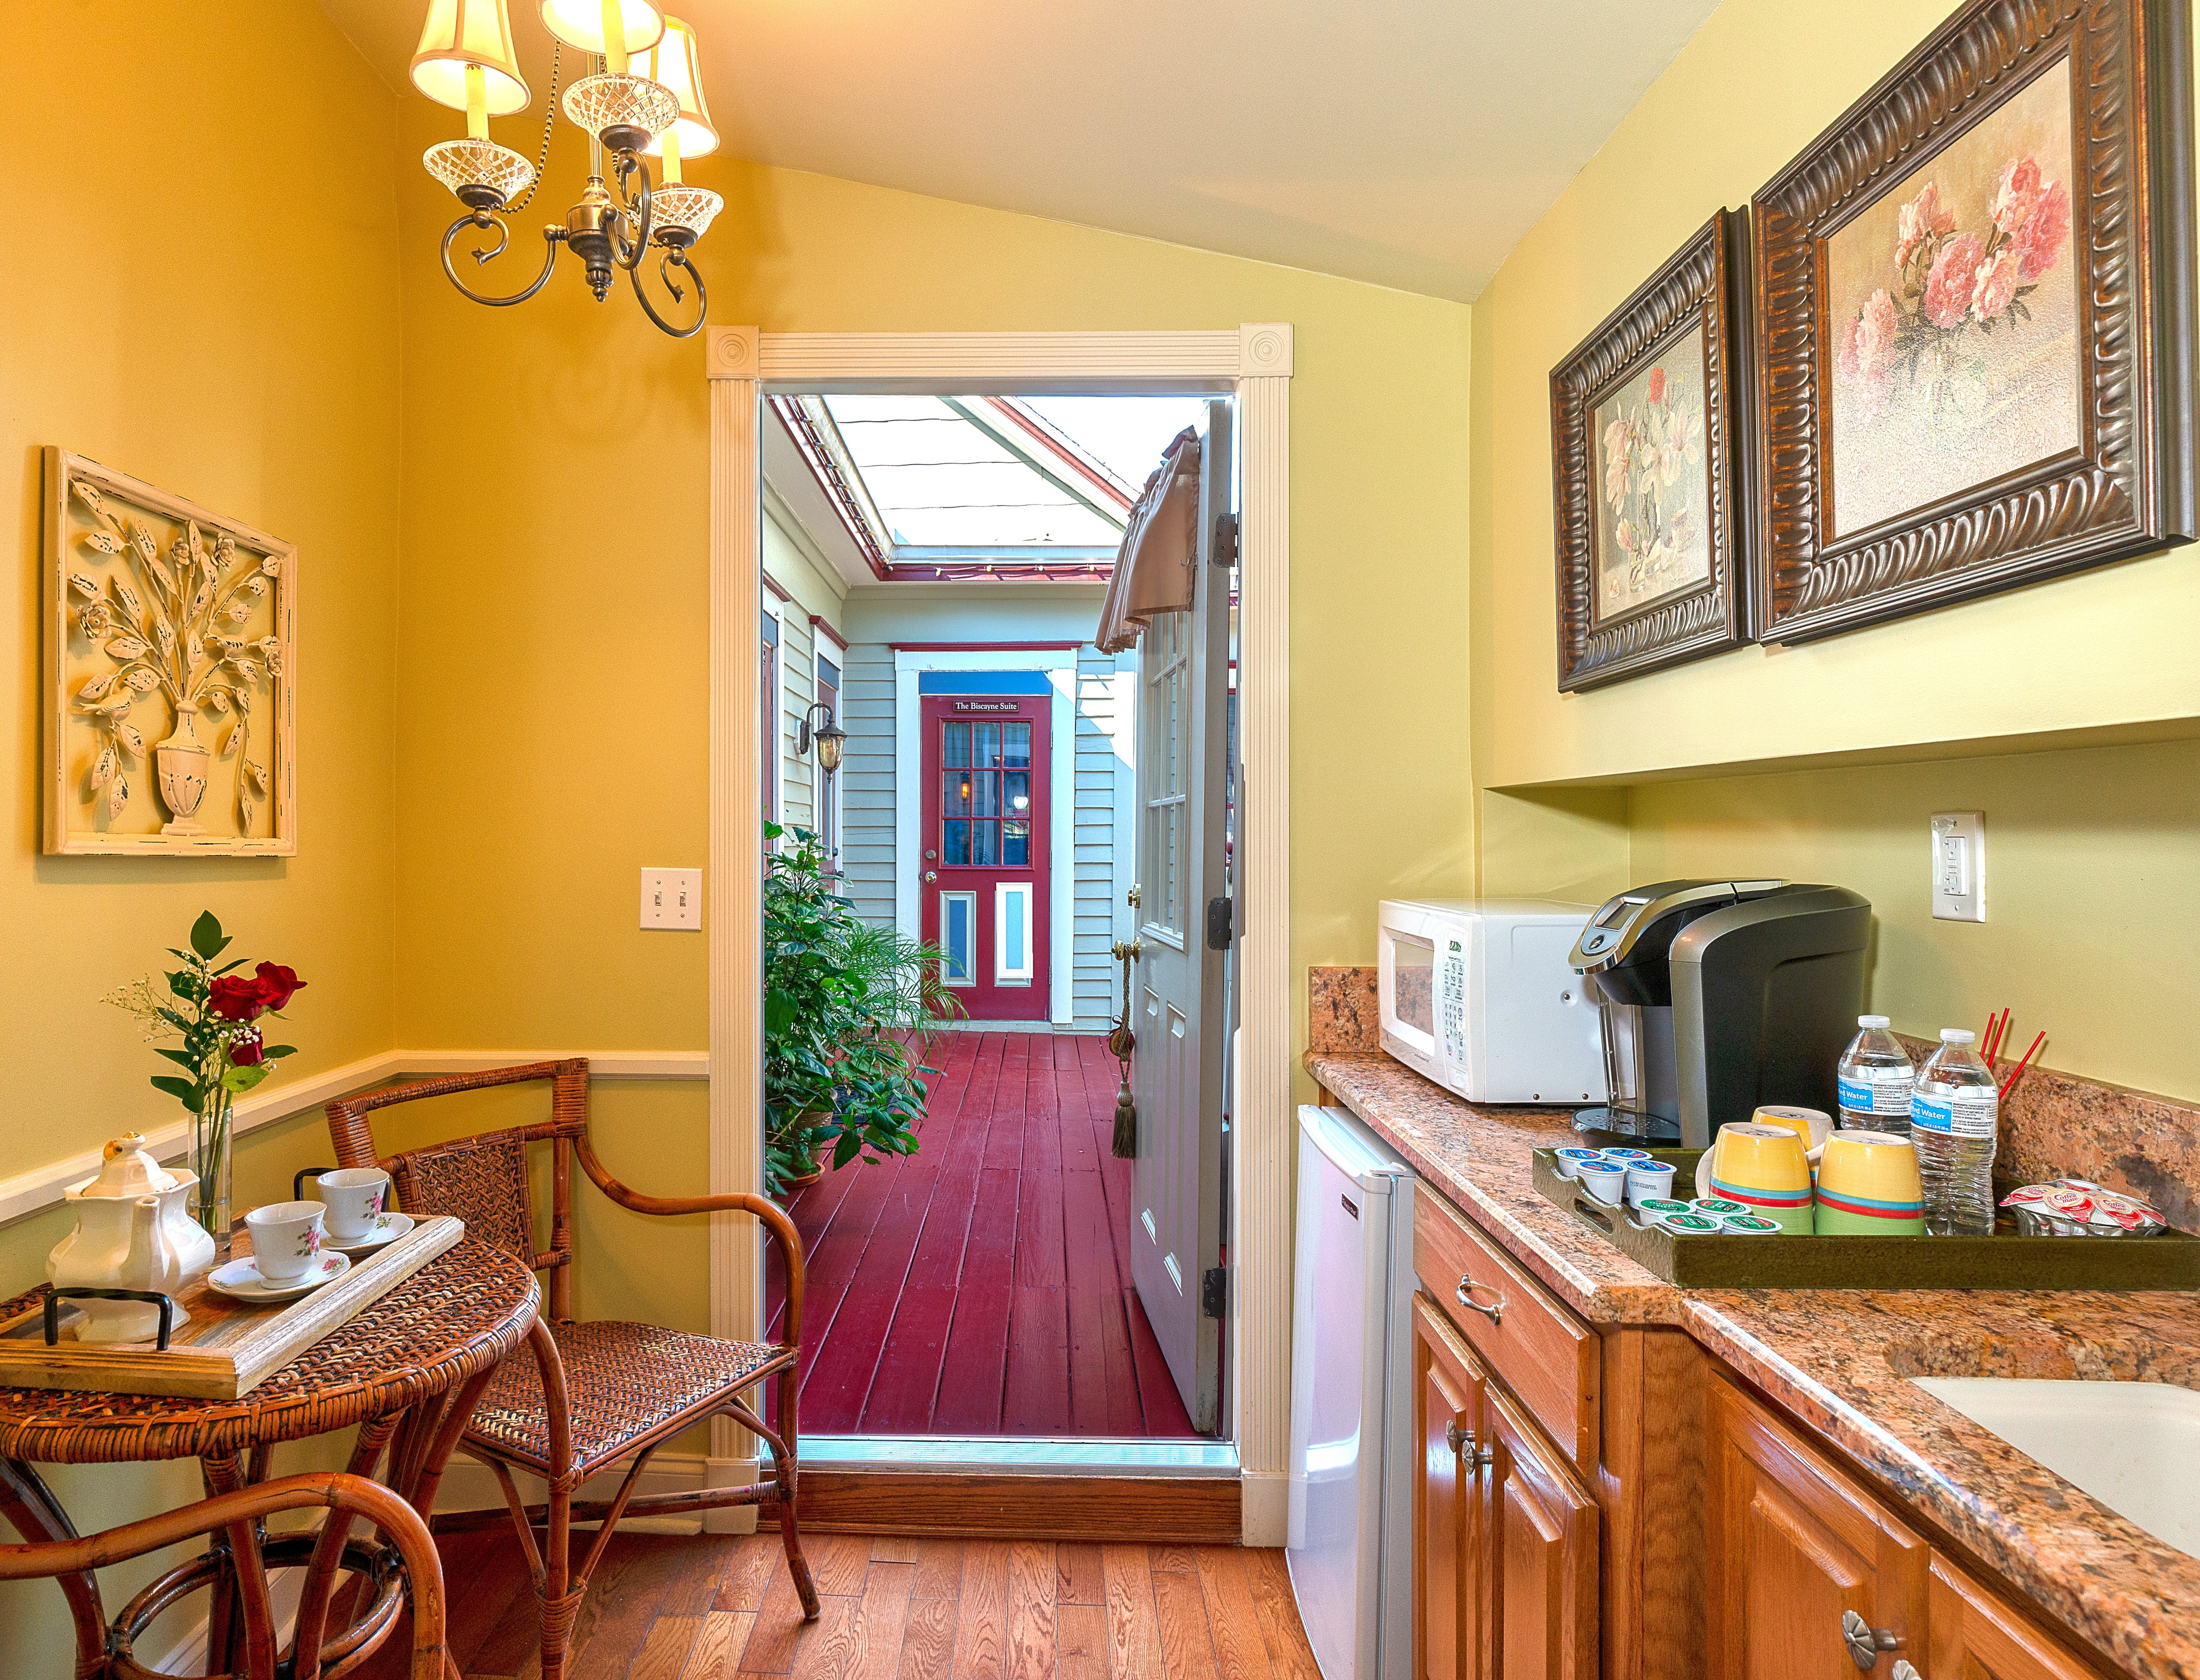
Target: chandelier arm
<point>677,259</point>
<point>629,163</point>
<point>551,236</point>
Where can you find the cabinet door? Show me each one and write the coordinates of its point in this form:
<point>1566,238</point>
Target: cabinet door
<point>1792,1548</point>
<point>1541,1553</point>
<point>1978,1636</point>
<point>1447,1575</point>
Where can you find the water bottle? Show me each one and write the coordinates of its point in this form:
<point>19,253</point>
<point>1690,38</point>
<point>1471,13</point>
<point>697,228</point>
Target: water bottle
<point>1954,1110</point>
<point>1875,1079</point>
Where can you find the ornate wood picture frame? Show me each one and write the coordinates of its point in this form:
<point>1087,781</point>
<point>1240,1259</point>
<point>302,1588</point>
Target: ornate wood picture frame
<point>1650,466</point>
<point>171,672</point>
<point>1975,299</point>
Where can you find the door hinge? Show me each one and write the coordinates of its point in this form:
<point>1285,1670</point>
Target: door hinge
<point>1214,1291</point>
<point>1218,924</point>
<point>1225,540</point>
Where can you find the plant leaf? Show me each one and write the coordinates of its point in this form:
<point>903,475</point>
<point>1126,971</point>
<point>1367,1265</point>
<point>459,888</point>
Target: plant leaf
<point>183,1090</point>
<point>142,680</point>
<point>104,543</point>
<point>117,796</point>
<point>242,1079</point>
<point>259,774</point>
<point>206,936</point>
<point>181,1057</point>
<point>103,767</point>
<point>229,743</point>
<point>127,647</point>
<point>127,737</point>
<point>97,686</point>
<point>85,585</point>
<point>126,597</point>
<point>275,1052</point>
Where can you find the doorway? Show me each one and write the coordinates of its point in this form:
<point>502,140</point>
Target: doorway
<point>1255,363</point>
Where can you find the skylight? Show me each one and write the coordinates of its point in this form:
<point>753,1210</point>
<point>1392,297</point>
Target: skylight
<point>1031,478</point>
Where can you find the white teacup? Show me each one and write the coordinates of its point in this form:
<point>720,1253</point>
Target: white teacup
<point>285,1238</point>
<point>355,1197</point>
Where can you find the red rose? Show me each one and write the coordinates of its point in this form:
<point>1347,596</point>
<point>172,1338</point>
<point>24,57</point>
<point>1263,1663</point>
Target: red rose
<point>234,998</point>
<point>246,1049</point>
<point>277,983</point>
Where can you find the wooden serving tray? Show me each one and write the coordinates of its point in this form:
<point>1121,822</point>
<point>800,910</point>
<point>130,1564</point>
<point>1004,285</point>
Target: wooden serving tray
<point>229,1346</point>
<point>2004,1260</point>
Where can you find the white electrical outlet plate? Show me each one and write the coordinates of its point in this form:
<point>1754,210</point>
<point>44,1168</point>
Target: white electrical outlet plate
<point>672,898</point>
<point>1959,866</point>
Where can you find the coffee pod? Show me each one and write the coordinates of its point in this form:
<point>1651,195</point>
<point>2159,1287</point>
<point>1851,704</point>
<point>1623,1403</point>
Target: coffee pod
<point>1648,1181</point>
<point>1605,1181</point>
<point>1629,1156</point>
<point>1750,1225</point>
<point>1689,1225</point>
<point>1715,1207</point>
<point>1570,1161</point>
<point>1651,1209</point>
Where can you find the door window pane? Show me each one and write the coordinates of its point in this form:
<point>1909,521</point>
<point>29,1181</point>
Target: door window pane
<point>1015,844</point>
<point>955,843</point>
<point>1016,790</point>
<point>955,743</point>
<point>986,794</point>
<point>1012,933</point>
<point>986,744</point>
<point>958,915</point>
<point>985,844</point>
<point>1015,748</point>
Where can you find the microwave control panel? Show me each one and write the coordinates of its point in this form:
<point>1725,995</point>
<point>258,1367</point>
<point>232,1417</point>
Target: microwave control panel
<point>1451,1002</point>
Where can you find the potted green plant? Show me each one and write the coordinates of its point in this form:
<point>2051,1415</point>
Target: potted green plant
<point>850,1012</point>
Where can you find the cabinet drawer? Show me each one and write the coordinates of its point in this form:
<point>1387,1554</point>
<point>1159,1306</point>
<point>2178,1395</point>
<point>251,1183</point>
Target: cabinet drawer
<point>1535,1345</point>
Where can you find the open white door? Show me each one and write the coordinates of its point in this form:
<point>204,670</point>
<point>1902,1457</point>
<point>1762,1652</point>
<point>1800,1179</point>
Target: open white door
<point>1181,1015</point>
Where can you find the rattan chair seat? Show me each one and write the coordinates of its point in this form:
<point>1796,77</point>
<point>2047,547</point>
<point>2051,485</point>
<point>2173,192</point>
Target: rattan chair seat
<point>629,1384</point>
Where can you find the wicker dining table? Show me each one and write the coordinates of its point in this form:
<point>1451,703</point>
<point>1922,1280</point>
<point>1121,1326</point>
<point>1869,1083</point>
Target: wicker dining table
<point>406,1372</point>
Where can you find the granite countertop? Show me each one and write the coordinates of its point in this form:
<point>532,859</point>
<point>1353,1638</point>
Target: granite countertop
<point>1840,1360</point>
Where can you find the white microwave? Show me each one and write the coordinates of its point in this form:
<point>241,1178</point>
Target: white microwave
<point>1478,995</point>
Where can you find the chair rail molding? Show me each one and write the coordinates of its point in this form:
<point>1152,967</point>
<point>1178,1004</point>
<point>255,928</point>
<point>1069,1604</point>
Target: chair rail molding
<point>1253,362</point>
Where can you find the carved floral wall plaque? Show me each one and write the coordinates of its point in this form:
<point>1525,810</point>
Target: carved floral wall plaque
<point>170,670</point>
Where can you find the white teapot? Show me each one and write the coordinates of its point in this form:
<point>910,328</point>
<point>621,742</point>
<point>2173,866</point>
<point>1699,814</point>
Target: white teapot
<point>132,1232</point>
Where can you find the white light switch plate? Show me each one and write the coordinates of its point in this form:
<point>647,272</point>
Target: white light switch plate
<point>1959,866</point>
<point>672,898</point>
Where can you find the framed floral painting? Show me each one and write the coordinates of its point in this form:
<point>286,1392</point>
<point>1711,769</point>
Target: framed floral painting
<point>1976,297</point>
<point>1649,457</point>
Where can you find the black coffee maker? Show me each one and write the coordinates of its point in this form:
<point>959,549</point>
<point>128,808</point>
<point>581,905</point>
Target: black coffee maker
<point>1718,996</point>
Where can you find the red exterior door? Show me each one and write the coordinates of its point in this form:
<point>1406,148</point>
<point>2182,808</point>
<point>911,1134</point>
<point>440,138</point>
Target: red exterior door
<point>983,873</point>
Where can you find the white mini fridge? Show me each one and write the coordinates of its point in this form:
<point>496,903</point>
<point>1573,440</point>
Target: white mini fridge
<point>1352,1389</point>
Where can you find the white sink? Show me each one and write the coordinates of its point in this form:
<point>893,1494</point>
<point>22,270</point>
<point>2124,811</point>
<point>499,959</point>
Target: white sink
<point>2133,1446</point>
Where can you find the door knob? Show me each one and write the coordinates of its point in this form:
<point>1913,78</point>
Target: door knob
<point>1866,1641</point>
<point>1130,897</point>
<point>931,875</point>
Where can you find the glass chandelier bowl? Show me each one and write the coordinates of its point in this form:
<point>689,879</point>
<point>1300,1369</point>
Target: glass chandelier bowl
<point>463,34</point>
<point>682,213</point>
<point>674,62</point>
<point>625,112</point>
<point>484,175</point>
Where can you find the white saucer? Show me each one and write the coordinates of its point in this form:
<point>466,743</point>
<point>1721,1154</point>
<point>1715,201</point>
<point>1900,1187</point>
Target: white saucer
<point>240,1280</point>
<point>386,1230</point>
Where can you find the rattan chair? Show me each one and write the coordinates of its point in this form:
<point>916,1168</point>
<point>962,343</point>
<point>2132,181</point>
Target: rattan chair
<point>595,1394</point>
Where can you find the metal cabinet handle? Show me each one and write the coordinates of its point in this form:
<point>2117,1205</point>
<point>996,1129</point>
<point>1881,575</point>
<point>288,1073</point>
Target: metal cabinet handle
<point>1866,1641</point>
<point>1461,1441</point>
<point>1903,1671</point>
<point>1494,1313</point>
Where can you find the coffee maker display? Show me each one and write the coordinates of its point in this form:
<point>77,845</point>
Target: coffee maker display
<point>1715,996</point>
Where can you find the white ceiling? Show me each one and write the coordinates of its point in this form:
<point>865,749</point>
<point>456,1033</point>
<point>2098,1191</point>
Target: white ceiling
<point>1410,142</point>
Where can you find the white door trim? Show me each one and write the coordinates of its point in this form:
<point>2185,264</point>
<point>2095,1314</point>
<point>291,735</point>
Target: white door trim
<point>1061,667</point>
<point>1255,363</point>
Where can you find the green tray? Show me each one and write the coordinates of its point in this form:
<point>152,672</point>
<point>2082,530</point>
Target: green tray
<point>2002,1261</point>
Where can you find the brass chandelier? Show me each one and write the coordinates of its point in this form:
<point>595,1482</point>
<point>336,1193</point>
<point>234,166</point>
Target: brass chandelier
<point>642,98</point>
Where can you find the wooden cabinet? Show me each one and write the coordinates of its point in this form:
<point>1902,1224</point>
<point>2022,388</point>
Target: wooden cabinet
<point>1793,1549</point>
<point>1506,1533</point>
<point>1976,1635</point>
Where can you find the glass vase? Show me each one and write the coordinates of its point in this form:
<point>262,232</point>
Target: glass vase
<point>210,1160</point>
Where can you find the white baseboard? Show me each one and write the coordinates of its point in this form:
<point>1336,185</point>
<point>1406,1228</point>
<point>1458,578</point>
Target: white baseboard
<point>1265,1507</point>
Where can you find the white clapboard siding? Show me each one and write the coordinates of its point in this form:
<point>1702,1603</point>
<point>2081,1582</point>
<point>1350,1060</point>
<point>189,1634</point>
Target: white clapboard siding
<point>1094,978</point>
<point>866,779</point>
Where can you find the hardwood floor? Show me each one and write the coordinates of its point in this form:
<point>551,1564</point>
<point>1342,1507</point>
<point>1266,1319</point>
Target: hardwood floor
<point>700,1607</point>
<point>982,1285</point>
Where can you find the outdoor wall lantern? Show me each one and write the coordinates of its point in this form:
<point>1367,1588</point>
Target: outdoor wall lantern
<point>644,97</point>
<point>829,737</point>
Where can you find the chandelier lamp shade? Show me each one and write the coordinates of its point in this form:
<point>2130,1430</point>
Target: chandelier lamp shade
<point>643,98</point>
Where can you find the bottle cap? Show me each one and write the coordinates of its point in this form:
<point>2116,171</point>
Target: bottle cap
<point>1869,1021</point>
<point>1957,1035</point>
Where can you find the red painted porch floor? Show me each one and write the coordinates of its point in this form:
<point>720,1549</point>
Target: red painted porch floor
<point>982,1285</point>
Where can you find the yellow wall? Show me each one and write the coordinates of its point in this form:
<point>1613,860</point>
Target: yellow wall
<point>192,308</point>
<point>2088,910</point>
<point>552,655</point>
